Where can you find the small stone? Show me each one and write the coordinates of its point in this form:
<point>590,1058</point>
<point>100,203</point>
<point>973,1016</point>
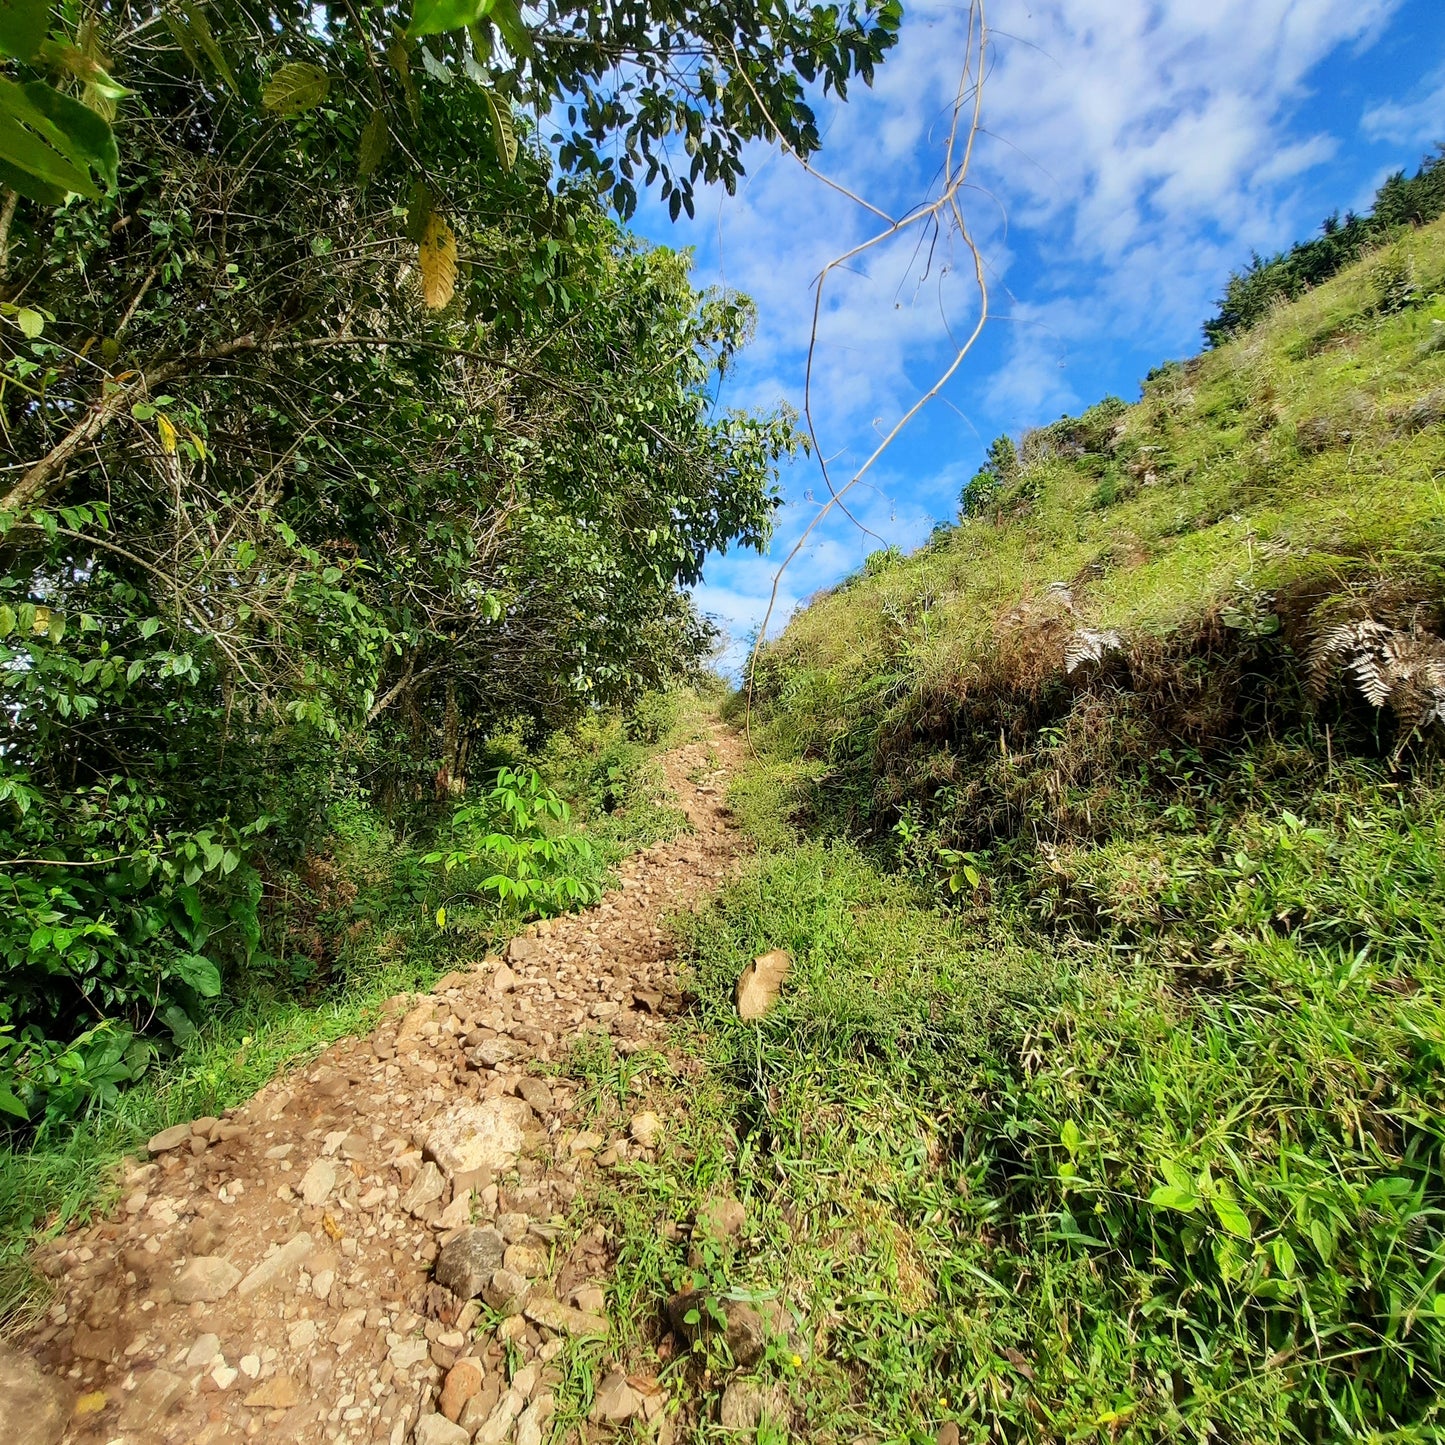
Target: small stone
<point>552,1314</point>
<point>438,1430</point>
<point>428,1186</point>
<point>205,1280</point>
<point>524,1260</point>
<point>615,1401</point>
<point>302,1334</point>
<point>155,1393</point>
<point>406,1353</point>
<point>464,1380</point>
<point>946,1434</point>
<point>498,1425</point>
<point>224,1376</point>
<point>534,1420</point>
<point>722,1218</point>
<point>590,1299</point>
<point>760,983</point>
<point>745,1405</point>
<point>203,1351</point>
<point>289,1257</point>
<point>506,1292</point>
<point>168,1139</point>
<point>36,1406</point>
<point>321,1283</point>
<point>457,1214</point>
<point>318,1182</point>
<point>646,1130</point>
<point>536,1093</point>
<point>491,1052</point>
<point>250,1366</point>
<point>503,980</point>
<point>586,1141</point>
<point>514,1226</point>
<point>278,1393</point>
<point>466,1263</point>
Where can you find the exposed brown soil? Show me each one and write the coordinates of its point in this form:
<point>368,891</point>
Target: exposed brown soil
<point>269,1275</point>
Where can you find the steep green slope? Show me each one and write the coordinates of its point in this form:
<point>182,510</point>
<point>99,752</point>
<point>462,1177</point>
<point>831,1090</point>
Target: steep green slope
<point>1106,1099</point>
<point>1302,461</point>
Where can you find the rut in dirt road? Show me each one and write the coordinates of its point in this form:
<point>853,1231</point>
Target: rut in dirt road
<point>305,1267</point>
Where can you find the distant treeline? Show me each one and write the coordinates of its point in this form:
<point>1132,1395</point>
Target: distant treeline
<point>1401,200</point>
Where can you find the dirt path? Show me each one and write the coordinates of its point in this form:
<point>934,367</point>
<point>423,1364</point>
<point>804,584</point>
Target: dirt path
<point>281,1273</point>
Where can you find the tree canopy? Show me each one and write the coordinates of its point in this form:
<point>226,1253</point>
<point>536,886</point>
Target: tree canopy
<point>342,414</point>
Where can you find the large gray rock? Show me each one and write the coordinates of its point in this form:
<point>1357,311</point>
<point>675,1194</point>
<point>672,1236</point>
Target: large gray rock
<point>466,1263</point>
<point>205,1279</point>
<point>34,1406</point>
<point>487,1135</point>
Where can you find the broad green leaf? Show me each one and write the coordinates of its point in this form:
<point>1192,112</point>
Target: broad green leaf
<point>433,17</point>
<point>1170,1196</point>
<point>60,143</point>
<point>1070,1137</point>
<point>198,973</point>
<point>201,30</point>
<point>298,86</point>
<point>32,323</point>
<point>504,134</point>
<point>375,143</point>
<point>23,24</point>
<point>1284,1256</point>
<point>507,17</point>
<point>1231,1216</point>
<point>11,1105</point>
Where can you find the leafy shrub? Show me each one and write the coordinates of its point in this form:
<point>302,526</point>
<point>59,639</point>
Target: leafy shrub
<point>514,838</point>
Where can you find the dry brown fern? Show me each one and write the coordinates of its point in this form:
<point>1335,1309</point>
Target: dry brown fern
<point>1402,670</point>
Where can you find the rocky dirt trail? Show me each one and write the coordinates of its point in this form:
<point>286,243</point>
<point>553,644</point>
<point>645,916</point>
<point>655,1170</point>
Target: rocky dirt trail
<point>313,1266</point>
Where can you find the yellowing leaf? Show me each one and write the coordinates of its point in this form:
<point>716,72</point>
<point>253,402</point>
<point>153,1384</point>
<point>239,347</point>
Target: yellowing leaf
<point>295,88</point>
<point>375,143</point>
<point>504,135</point>
<point>442,916</point>
<point>438,259</point>
<point>167,434</point>
<point>332,1228</point>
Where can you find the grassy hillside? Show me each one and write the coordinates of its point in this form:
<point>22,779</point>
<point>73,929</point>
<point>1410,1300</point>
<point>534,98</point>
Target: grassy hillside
<point>1302,461</point>
<point>1106,1100</point>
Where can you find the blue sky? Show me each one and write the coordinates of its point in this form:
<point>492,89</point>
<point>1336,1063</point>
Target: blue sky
<point>1132,154</point>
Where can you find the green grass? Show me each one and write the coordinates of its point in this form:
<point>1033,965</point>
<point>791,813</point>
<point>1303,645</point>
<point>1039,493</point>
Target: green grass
<point>1106,1100</point>
<point>1214,497</point>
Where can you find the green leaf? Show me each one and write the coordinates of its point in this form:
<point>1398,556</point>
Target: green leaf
<point>1170,1196</point>
<point>1070,1137</point>
<point>199,973</point>
<point>54,141</point>
<point>201,30</point>
<point>296,87</point>
<point>507,17</point>
<point>1230,1215</point>
<point>23,24</point>
<point>504,134</point>
<point>32,323</point>
<point>375,144</point>
<point>1284,1256</point>
<point>434,17</point>
<point>11,1105</point>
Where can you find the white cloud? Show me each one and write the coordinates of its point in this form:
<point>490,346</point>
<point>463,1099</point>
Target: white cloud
<point>1420,121</point>
<point>1136,150</point>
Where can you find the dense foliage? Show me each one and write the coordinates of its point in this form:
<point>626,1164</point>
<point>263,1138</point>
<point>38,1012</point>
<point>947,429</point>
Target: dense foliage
<point>1400,201</point>
<point>343,427</point>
